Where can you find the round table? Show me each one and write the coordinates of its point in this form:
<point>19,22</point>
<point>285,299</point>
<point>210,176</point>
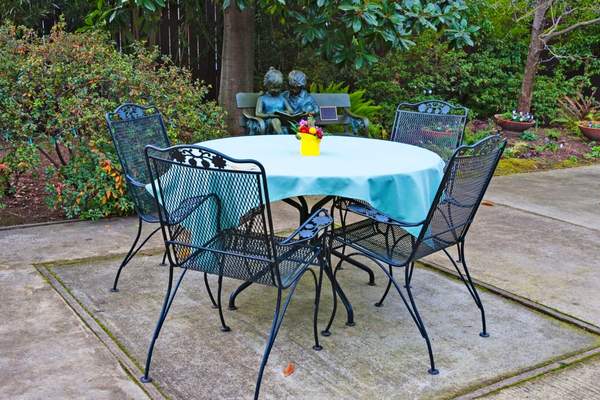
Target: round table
<point>397,179</point>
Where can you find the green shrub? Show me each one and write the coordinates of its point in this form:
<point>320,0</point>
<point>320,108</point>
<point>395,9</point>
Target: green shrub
<point>528,136</point>
<point>54,92</point>
<point>594,153</point>
<point>553,134</point>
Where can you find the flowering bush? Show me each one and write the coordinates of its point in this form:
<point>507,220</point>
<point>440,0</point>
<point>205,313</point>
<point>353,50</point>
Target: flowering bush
<point>54,92</point>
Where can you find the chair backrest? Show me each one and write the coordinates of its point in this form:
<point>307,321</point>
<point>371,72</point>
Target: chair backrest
<point>467,176</point>
<point>435,125</point>
<point>132,127</point>
<point>214,212</point>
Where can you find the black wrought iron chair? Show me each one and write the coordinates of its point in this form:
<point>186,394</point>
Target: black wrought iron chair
<point>215,217</point>
<point>435,125</point>
<point>132,127</point>
<point>386,242</point>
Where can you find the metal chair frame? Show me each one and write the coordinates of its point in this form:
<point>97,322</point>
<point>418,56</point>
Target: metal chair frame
<point>129,113</point>
<point>232,242</point>
<point>428,112</point>
<point>431,239</point>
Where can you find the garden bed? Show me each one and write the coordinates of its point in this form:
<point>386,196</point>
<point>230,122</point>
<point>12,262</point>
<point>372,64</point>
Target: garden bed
<point>539,149</point>
<point>27,205</point>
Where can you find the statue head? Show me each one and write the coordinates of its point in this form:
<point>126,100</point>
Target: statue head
<point>273,81</point>
<point>296,81</point>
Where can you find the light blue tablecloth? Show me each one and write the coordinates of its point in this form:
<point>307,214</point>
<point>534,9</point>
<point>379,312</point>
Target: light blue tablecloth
<point>397,179</point>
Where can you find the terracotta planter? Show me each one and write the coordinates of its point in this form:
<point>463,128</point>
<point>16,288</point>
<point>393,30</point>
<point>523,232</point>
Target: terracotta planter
<point>590,133</point>
<point>512,126</point>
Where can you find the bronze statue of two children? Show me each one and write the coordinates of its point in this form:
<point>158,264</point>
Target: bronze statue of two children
<point>278,108</point>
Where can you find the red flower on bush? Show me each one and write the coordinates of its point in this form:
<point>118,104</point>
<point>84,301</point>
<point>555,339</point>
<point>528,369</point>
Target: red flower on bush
<point>3,167</point>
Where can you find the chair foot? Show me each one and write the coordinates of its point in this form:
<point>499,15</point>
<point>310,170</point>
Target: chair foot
<point>232,308</point>
<point>433,371</point>
<point>317,348</point>
<point>215,307</point>
<point>114,290</point>
<point>379,304</point>
<point>326,333</point>
<point>407,287</point>
<point>371,284</point>
<point>145,379</point>
<point>163,264</point>
<point>350,323</point>
<point>484,334</point>
<point>225,329</point>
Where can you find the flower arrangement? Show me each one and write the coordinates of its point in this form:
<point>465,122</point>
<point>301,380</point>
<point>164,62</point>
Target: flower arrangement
<point>308,126</point>
<point>518,116</point>
<point>310,136</point>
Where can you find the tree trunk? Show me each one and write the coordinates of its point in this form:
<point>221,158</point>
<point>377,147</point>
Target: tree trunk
<point>536,46</point>
<point>237,61</point>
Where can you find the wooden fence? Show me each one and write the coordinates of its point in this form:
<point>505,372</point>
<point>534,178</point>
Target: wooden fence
<point>191,35</point>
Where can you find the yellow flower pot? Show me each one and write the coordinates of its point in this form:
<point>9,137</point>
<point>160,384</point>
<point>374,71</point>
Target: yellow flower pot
<point>310,145</point>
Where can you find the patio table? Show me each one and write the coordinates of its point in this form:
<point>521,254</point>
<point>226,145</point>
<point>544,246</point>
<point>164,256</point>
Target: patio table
<point>397,179</point>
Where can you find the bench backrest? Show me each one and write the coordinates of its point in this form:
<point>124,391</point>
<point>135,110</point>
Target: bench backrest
<point>247,100</point>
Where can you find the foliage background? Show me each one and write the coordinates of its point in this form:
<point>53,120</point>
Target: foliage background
<point>54,92</point>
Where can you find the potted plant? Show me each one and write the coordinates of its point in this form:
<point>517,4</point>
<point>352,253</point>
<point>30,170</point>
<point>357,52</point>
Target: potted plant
<point>515,122</point>
<point>310,137</point>
<point>591,129</point>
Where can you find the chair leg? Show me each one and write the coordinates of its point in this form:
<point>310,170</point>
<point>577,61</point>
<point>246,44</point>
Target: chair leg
<point>411,268</point>
<point>161,319</point>
<point>210,295</point>
<point>414,313</point>
<point>224,327</point>
<point>318,285</point>
<point>132,252</point>
<point>466,278</point>
<point>164,260</point>
<point>277,320</point>
<point>387,289</point>
<point>236,292</point>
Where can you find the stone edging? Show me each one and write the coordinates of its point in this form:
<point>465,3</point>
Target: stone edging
<point>126,362</point>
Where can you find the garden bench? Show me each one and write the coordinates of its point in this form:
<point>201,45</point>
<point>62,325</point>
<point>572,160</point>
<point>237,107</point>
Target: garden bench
<point>335,110</point>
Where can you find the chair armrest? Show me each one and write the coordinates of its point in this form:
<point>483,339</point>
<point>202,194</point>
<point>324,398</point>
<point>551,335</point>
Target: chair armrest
<point>134,182</point>
<point>373,214</point>
<point>317,222</point>
<point>187,206</point>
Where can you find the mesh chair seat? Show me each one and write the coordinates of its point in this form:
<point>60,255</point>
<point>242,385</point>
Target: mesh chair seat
<point>375,240</point>
<point>254,264</point>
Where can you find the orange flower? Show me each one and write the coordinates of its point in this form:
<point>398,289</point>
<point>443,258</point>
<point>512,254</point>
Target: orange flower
<point>3,167</point>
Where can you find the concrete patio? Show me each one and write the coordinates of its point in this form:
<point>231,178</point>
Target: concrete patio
<point>534,252</point>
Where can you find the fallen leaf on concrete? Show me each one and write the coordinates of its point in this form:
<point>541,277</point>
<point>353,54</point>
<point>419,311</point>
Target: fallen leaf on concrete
<point>487,203</point>
<point>287,371</point>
